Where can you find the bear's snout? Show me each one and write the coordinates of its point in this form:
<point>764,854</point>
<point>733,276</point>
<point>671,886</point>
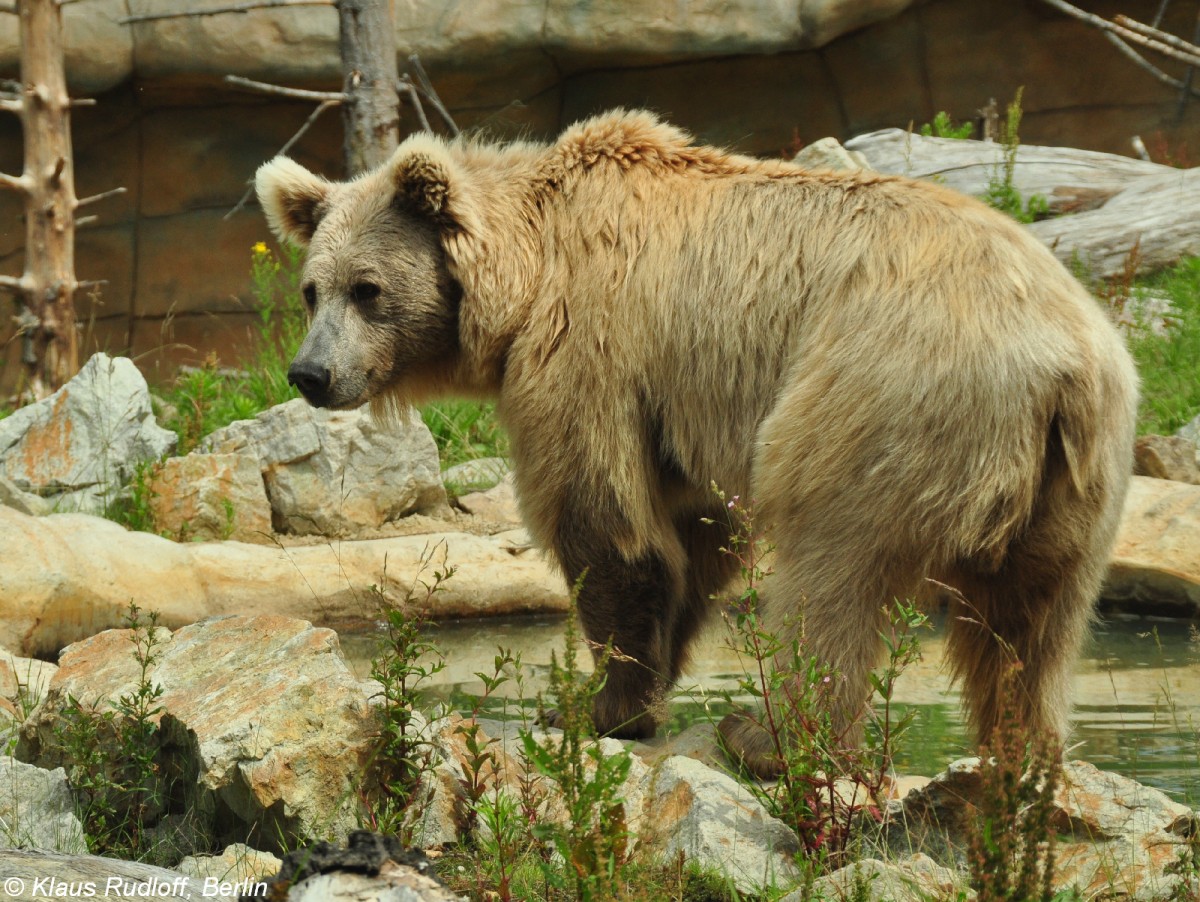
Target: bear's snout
<point>312,380</point>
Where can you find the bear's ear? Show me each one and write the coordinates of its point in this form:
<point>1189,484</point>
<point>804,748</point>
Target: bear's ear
<point>293,198</point>
<point>431,185</point>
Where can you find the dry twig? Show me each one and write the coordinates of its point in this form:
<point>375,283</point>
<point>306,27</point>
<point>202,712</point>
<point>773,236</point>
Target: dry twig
<point>296,93</point>
<point>245,198</point>
<point>1175,48</point>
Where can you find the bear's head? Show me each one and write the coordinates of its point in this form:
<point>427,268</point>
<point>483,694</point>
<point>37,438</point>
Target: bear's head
<point>383,306</point>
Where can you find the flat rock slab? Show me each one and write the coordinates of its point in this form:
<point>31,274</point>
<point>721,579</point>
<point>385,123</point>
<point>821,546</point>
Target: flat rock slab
<point>68,576</point>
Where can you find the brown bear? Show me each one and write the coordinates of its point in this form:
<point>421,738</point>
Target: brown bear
<point>909,384</point>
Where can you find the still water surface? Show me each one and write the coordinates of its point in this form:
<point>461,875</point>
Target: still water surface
<point>1137,691</point>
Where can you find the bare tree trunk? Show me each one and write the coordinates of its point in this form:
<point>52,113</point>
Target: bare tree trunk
<point>51,352</point>
<point>372,114</point>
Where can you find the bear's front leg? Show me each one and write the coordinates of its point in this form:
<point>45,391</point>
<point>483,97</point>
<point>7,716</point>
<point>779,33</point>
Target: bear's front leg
<point>627,602</point>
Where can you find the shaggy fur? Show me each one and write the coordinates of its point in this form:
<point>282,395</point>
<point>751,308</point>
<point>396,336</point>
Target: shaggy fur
<point>910,385</point>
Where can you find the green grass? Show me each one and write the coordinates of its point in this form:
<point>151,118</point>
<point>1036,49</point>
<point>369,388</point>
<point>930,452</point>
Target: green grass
<point>1170,364</point>
<point>465,430</point>
<point>211,396</point>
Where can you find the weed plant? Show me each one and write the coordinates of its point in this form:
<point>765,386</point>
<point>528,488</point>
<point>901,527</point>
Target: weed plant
<point>592,838</point>
<point>943,126</point>
<point>111,749</point>
<point>131,507</point>
<point>1002,193</point>
<point>405,662</point>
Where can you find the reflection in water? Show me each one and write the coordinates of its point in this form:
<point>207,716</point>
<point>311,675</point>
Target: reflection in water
<point>1137,692</point>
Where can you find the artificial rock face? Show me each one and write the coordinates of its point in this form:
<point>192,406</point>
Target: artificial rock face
<point>909,385</point>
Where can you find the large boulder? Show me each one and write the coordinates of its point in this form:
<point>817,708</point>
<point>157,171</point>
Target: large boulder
<point>74,576</point>
<point>260,714</point>
<point>337,472</point>
<point>81,445</point>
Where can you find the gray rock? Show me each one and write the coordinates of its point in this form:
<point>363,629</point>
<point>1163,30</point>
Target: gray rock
<point>25,502</point>
<point>679,805</point>
<point>79,446</point>
<point>829,154</point>
<point>1147,311</point>
<point>369,868</point>
<point>496,505</point>
<point>1167,457</point>
<point>237,862</point>
<point>1155,562</point>
<point>715,821</point>
<point>211,496</point>
<point>38,875</point>
<point>336,472</point>
<point>917,879</point>
<point>1191,432</point>
<point>24,681</point>
<point>37,810</point>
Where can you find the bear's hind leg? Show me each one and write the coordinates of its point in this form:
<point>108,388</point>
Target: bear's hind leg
<point>1034,606</point>
<point>1034,610</point>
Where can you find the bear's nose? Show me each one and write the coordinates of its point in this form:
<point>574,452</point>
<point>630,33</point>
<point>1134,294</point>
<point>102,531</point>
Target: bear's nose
<point>311,379</point>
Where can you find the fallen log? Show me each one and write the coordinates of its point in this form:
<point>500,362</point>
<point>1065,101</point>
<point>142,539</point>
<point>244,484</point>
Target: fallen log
<point>1102,205</point>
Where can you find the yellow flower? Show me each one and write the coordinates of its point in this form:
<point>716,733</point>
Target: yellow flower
<point>260,247</point>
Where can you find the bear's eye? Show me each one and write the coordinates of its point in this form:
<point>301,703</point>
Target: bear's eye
<point>310,295</point>
<point>365,291</point>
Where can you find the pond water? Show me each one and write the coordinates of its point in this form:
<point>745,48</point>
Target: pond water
<point>1137,691</point>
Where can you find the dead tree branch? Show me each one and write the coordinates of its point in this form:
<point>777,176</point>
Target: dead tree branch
<point>1138,60</point>
<point>1175,48</point>
<point>406,87</point>
<point>18,183</point>
<point>295,93</point>
<point>425,86</point>
<point>103,195</point>
<point>217,10</point>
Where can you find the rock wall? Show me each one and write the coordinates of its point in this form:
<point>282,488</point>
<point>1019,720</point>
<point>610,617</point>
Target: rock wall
<point>759,77</point>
